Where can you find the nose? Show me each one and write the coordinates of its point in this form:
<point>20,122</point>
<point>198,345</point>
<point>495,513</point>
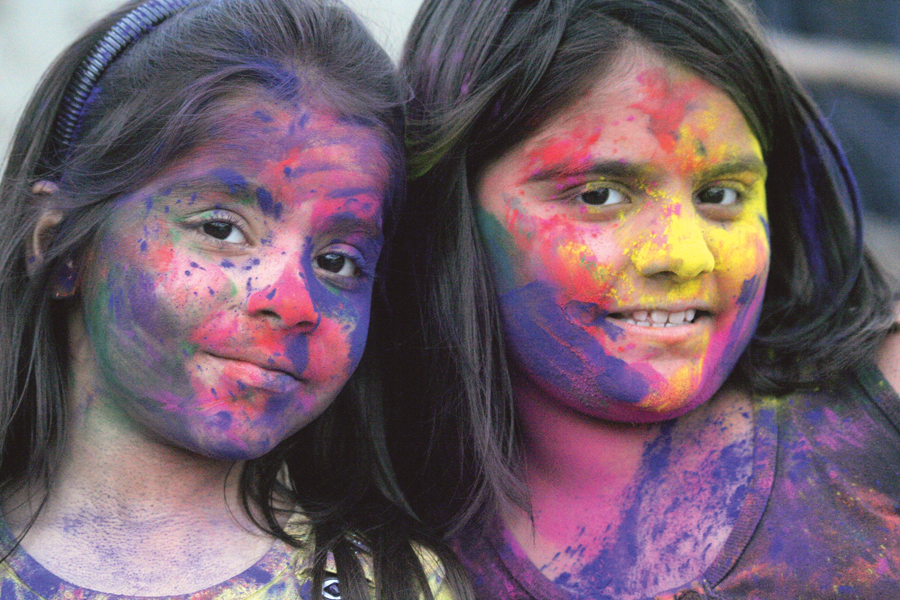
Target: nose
<point>675,245</point>
<point>286,300</point>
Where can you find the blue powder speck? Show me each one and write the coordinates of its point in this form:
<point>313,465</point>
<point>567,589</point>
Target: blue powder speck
<point>267,204</point>
<point>262,116</point>
<point>235,181</point>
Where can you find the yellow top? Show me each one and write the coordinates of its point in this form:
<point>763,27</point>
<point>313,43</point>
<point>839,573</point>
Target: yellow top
<point>284,573</point>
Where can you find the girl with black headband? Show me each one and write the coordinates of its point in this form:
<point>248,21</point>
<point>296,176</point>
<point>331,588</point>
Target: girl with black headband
<point>192,216</point>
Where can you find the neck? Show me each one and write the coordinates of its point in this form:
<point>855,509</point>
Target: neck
<point>597,487</point>
<point>574,457</point>
<point>147,511</point>
<point>113,473</point>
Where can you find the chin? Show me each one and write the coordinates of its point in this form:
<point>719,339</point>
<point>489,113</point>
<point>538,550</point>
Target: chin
<point>655,407</point>
<point>644,414</point>
<point>233,448</point>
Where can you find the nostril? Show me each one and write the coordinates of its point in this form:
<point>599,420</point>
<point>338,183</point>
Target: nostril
<point>289,303</point>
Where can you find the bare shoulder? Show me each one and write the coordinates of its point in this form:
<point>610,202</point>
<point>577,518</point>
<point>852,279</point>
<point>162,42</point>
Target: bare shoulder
<point>888,359</point>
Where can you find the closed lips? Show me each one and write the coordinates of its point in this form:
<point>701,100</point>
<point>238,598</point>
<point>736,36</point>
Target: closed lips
<point>267,365</point>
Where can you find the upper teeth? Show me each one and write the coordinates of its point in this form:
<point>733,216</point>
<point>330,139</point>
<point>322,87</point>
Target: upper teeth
<point>660,318</point>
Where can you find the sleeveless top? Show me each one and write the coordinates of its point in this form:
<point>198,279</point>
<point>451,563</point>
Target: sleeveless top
<point>821,519</point>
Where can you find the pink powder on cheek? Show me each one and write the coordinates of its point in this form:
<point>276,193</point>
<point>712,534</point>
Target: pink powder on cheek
<point>160,257</point>
<point>575,268</point>
<point>558,250</point>
<point>330,351</point>
<point>221,329</point>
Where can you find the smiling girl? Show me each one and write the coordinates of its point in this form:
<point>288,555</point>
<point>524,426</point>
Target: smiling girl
<point>651,337</point>
<point>193,212</point>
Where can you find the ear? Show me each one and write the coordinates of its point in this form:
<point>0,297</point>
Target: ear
<point>44,230</point>
<point>43,233</point>
<point>46,225</point>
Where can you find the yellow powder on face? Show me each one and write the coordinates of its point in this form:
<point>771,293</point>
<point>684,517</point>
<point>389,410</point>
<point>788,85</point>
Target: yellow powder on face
<point>680,385</point>
<point>682,249</point>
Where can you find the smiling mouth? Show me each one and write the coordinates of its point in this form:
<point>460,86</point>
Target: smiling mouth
<point>660,318</point>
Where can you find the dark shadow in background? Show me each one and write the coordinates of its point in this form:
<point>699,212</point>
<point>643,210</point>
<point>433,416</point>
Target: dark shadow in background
<point>866,118</point>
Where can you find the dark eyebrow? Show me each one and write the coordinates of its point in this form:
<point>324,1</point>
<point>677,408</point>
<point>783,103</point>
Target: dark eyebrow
<point>214,185</point>
<point>349,192</point>
<point>743,164</point>
<point>616,169</point>
<point>613,169</point>
<point>348,222</point>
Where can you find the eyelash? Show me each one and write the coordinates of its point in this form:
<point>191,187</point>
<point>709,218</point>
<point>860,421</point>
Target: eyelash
<point>220,217</point>
<point>574,195</point>
<point>349,282</point>
<point>597,188</point>
<point>738,193</point>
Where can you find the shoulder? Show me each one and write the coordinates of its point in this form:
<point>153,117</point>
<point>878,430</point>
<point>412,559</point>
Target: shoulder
<point>888,357</point>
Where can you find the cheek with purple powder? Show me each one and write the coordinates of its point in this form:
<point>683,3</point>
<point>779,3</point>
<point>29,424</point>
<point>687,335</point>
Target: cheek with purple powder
<point>549,316</point>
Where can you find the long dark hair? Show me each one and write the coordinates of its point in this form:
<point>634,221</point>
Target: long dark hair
<point>485,76</point>
<point>163,96</point>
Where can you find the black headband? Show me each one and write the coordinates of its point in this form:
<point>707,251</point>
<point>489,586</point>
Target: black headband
<point>121,35</point>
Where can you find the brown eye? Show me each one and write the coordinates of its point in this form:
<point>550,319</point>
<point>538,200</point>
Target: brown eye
<point>336,263</point>
<point>601,196</point>
<point>718,195</point>
<point>224,231</point>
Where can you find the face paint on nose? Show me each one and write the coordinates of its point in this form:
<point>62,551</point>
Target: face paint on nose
<point>631,268</point>
<point>265,217</point>
<point>674,244</point>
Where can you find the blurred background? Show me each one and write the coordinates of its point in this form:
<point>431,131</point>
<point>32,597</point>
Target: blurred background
<point>847,52</point>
